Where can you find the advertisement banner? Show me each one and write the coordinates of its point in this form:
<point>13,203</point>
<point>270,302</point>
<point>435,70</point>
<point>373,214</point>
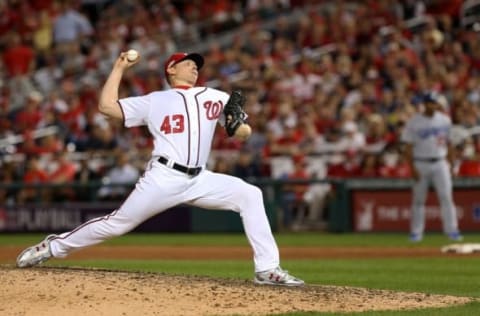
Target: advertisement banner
<point>389,210</point>
<point>65,217</point>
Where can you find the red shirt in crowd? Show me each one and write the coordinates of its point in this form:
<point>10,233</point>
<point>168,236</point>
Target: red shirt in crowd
<point>65,172</point>
<point>8,20</point>
<point>35,176</point>
<point>341,170</point>
<point>18,59</point>
<point>28,119</point>
<point>401,170</point>
<point>299,173</point>
<point>29,146</point>
<point>42,4</point>
<point>72,116</point>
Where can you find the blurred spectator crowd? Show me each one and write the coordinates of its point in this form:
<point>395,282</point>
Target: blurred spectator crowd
<point>329,85</point>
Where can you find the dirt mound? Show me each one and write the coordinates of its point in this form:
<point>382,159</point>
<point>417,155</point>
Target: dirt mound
<point>54,291</point>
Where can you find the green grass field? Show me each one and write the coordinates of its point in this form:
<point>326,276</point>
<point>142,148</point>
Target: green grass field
<point>454,275</point>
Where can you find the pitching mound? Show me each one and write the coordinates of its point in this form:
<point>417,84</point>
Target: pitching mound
<point>53,291</point>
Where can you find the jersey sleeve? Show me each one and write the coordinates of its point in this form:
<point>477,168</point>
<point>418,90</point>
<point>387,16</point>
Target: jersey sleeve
<point>135,110</point>
<point>408,133</point>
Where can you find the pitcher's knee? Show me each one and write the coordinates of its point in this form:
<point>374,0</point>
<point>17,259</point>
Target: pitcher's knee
<point>255,193</point>
<point>252,195</point>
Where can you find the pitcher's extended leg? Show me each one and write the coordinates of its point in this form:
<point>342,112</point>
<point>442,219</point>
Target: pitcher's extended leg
<point>147,199</point>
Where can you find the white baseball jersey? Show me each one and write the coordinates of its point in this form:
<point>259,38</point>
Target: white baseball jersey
<point>428,135</point>
<point>183,133</point>
<point>182,122</point>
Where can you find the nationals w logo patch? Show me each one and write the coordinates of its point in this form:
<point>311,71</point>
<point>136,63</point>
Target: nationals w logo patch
<point>213,109</point>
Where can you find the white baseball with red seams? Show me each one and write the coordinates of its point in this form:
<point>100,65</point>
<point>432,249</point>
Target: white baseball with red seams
<point>182,122</point>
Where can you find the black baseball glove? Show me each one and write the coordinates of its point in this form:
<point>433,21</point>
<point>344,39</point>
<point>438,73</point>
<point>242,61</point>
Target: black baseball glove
<point>234,114</point>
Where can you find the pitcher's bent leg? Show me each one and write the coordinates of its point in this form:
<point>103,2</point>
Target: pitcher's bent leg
<point>258,231</point>
<point>224,192</point>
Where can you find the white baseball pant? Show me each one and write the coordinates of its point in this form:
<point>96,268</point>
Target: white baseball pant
<point>162,188</point>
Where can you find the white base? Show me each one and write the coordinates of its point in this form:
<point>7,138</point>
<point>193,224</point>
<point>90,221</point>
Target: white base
<point>461,248</point>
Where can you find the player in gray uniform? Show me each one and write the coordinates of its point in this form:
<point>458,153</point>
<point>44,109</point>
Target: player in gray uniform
<point>182,121</point>
<point>429,152</point>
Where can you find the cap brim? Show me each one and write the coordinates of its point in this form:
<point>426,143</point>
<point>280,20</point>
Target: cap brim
<point>197,58</point>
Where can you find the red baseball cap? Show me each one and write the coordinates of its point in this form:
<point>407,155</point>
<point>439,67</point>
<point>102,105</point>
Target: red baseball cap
<point>178,57</point>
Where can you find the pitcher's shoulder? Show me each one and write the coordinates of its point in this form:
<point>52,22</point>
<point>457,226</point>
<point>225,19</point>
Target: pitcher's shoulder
<point>160,93</point>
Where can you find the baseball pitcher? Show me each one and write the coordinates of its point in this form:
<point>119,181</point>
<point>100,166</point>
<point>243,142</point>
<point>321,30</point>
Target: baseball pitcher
<point>428,151</point>
<point>182,121</point>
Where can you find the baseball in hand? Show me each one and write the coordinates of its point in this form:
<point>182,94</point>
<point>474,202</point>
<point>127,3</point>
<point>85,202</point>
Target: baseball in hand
<point>243,131</point>
<point>132,55</point>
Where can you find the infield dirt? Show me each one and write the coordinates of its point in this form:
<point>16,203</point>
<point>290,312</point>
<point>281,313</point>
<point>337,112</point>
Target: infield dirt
<point>74,291</point>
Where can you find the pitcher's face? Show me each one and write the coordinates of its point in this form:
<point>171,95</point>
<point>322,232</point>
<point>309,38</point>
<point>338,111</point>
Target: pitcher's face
<point>184,72</point>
